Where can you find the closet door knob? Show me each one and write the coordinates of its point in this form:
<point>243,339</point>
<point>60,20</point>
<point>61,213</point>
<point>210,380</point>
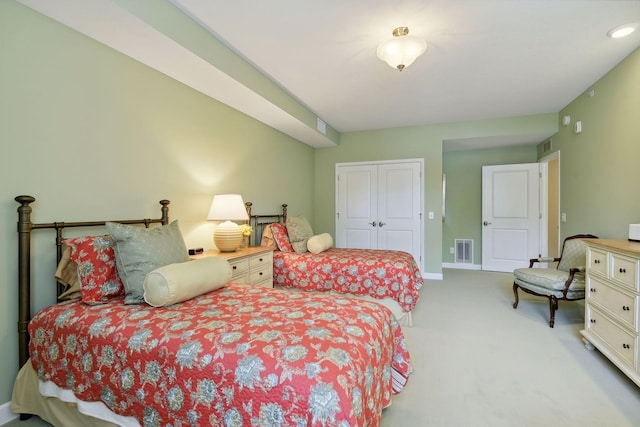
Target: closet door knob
<point>380,223</point>
<point>373,224</point>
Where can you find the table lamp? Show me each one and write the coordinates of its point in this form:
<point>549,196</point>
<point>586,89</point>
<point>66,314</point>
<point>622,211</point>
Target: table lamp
<point>227,207</point>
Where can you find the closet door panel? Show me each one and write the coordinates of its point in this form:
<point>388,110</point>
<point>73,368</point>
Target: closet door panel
<point>399,207</point>
<point>358,201</point>
<point>379,206</point>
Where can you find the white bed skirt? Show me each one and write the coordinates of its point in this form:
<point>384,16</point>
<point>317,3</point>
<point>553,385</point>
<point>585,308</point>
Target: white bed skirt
<point>60,407</point>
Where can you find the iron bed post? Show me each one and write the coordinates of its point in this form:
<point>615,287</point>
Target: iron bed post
<point>24,274</point>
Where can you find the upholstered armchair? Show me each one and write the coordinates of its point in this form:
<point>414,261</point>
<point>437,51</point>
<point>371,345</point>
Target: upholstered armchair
<point>565,282</point>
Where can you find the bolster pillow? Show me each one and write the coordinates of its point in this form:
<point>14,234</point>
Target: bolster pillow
<point>319,243</point>
<point>181,281</point>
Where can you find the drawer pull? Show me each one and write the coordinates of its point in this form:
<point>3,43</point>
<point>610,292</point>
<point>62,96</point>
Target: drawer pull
<point>261,259</point>
<point>622,270</point>
<point>234,267</point>
<point>596,261</point>
<point>592,320</point>
<point>592,289</point>
<point>626,346</point>
<point>260,273</point>
<point>625,308</point>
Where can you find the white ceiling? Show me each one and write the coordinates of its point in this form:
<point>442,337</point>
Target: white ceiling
<point>485,58</point>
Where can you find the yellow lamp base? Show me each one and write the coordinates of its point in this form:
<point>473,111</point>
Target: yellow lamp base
<point>227,237</point>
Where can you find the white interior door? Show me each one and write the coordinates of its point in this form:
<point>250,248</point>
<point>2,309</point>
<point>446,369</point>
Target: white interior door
<point>357,202</point>
<point>511,216</point>
<point>399,207</point>
<point>379,206</point>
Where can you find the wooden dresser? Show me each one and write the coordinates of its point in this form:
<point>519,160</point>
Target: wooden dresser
<point>612,306</point>
<point>251,266</point>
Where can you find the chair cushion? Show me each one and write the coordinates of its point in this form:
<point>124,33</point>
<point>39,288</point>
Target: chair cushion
<point>549,281</point>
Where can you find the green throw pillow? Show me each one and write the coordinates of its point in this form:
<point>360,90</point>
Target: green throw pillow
<point>140,250</point>
<point>299,232</point>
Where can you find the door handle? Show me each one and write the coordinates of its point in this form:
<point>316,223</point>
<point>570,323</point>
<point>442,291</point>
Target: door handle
<point>373,224</point>
<point>486,223</point>
<point>380,223</point>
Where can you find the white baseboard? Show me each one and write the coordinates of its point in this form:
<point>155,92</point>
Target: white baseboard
<point>5,413</point>
<point>432,276</point>
<point>461,266</point>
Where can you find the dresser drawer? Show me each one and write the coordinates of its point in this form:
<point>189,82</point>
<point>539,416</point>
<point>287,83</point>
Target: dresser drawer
<point>616,338</point>
<point>622,305</point>
<point>257,261</point>
<point>625,270</point>
<point>597,261</point>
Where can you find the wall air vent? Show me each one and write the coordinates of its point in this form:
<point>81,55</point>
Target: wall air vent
<point>464,251</point>
<point>546,146</point>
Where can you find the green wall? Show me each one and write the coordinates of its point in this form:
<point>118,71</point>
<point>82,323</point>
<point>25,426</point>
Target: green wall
<point>599,169</point>
<point>463,213</point>
<point>93,134</point>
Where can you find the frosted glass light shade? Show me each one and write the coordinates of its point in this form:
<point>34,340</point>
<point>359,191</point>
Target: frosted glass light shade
<point>227,207</point>
<point>402,49</point>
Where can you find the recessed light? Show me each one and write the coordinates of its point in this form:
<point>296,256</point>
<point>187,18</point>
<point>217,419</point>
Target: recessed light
<point>622,30</point>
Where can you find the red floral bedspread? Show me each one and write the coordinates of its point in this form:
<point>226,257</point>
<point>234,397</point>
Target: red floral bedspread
<point>239,356</point>
<point>374,272</point>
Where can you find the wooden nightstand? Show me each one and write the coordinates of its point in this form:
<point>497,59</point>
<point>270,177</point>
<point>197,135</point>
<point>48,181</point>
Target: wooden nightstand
<point>251,266</point>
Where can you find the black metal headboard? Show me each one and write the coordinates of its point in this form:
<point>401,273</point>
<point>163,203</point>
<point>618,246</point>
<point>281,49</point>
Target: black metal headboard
<point>25,226</point>
<point>259,222</point>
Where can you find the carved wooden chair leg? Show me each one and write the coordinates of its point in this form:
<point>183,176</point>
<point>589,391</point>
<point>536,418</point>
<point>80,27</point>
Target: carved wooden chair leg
<point>515,292</point>
<point>553,306</point>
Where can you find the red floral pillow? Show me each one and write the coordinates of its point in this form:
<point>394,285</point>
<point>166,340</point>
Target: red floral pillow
<point>97,271</point>
<point>281,237</point>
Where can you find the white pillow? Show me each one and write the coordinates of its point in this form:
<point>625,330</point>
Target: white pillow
<point>319,243</point>
<point>181,281</point>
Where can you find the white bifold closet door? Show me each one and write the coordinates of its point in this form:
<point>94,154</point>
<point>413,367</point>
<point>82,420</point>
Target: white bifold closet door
<point>379,206</point>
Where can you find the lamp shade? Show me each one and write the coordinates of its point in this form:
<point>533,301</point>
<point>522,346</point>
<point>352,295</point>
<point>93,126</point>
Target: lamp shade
<point>227,207</point>
<point>402,49</point>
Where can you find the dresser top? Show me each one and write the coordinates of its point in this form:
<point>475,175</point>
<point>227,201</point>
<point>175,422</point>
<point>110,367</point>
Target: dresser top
<point>621,245</point>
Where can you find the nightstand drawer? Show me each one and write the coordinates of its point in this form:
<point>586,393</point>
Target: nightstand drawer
<point>239,268</point>
<point>260,260</point>
<point>258,276</point>
<point>249,266</point>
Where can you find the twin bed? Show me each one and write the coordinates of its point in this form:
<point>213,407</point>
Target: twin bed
<point>236,355</point>
<point>391,278</point>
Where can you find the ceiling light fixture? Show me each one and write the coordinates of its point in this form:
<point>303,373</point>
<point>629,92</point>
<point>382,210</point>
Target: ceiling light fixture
<point>402,49</point>
<point>622,30</point>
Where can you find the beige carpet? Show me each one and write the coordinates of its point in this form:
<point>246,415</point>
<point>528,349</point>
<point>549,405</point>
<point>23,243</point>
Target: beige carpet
<point>479,362</point>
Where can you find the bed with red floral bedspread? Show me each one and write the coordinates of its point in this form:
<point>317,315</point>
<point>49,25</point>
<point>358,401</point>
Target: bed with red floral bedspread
<point>373,272</point>
<point>237,356</point>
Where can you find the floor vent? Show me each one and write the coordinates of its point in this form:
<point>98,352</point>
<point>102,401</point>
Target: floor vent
<point>464,251</point>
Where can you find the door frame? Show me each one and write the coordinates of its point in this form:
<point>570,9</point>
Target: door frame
<point>423,217</point>
<point>544,204</point>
